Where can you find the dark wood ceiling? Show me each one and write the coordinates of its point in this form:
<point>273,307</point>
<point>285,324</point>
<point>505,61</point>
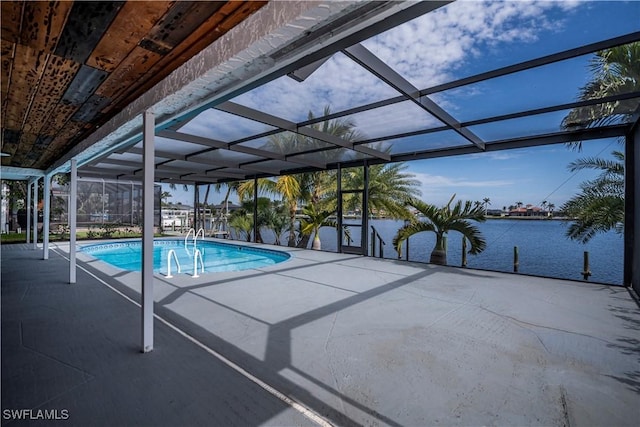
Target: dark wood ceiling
<point>69,66</point>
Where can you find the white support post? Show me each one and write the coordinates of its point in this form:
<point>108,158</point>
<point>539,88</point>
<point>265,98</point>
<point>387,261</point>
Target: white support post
<point>73,202</point>
<point>29,212</point>
<point>35,214</point>
<point>147,231</point>
<point>46,214</point>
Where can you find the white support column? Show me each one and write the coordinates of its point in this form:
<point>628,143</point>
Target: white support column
<point>73,202</point>
<point>29,212</point>
<point>147,231</point>
<point>46,214</point>
<point>35,214</point>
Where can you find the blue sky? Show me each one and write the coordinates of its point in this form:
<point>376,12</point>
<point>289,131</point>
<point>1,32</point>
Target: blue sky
<point>462,39</point>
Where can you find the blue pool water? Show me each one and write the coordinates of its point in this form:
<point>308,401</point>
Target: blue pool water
<point>216,256</point>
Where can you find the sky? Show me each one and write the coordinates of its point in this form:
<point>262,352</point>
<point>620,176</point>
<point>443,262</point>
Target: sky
<point>459,40</point>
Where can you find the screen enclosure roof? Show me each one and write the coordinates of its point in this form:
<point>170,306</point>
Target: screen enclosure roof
<point>358,82</point>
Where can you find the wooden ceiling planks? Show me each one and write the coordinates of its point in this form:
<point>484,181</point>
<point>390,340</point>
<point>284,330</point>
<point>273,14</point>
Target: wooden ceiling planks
<point>58,76</point>
<point>87,23</point>
<point>67,67</point>
<point>231,15</point>
<point>131,25</point>
<point>10,140</point>
<point>26,142</point>
<point>28,68</point>
<point>11,20</point>
<point>6,55</point>
<point>42,24</point>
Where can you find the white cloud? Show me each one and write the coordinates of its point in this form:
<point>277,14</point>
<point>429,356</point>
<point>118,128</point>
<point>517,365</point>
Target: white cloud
<point>439,181</point>
<point>501,155</point>
<point>430,48</point>
<point>427,51</point>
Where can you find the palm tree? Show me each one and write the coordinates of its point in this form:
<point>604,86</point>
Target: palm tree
<point>615,71</point>
<point>242,223</point>
<point>486,202</point>
<point>441,221</point>
<point>389,187</point>
<point>276,220</point>
<point>287,187</point>
<point>600,206</point>
<point>551,208</point>
<point>313,220</point>
<point>308,187</point>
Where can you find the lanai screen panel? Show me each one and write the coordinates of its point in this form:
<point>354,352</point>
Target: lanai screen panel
<point>448,43</point>
<point>435,85</point>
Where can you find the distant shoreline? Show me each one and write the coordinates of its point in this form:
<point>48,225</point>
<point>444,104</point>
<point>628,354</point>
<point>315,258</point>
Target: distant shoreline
<point>529,218</point>
<point>523,218</point>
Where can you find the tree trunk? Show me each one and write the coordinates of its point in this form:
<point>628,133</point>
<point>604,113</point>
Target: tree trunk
<point>304,241</point>
<point>317,245</point>
<point>439,254</point>
<point>292,226</point>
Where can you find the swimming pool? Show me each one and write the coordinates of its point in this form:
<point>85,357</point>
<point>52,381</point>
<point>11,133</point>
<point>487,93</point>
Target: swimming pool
<point>216,256</point>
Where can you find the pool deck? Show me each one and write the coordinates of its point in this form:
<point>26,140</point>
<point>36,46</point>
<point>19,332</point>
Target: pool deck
<point>356,340</point>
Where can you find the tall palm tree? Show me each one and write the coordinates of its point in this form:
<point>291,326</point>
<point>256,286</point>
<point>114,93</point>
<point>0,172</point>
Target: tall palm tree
<point>600,206</point>
<point>389,187</point>
<point>551,208</point>
<point>615,71</point>
<point>299,189</point>
<point>486,202</point>
<point>441,221</point>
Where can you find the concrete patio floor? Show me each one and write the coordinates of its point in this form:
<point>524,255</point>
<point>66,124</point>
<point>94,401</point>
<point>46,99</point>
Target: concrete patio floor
<point>358,341</point>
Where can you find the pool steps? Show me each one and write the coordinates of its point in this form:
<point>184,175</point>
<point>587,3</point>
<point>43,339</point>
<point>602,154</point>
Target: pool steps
<point>195,235</point>
<point>197,254</point>
<point>175,256</point>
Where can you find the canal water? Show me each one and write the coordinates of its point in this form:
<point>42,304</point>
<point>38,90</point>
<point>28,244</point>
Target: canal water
<point>543,248</point>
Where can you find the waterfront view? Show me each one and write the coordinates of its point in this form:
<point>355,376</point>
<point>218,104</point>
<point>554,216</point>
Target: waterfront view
<point>544,250</point>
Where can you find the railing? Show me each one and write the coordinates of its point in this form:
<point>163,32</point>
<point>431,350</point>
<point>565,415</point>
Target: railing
<point>195,237</point>
<point>197,255</point>
<point>191,230</point>
<point>381,243</point>
<point>169,256</point>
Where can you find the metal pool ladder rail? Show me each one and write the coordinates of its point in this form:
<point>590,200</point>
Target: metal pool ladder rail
<point>191,230</point>
<point>197,255</point>
<point>195,237</point>
<point>172,253</point>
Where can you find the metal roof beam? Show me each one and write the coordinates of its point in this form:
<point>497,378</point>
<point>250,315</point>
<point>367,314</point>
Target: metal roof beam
<point>537,62</point>
<point>128,163</point>
<point>194,139</point>
<point>255,167</point>
<point>19,174</point>
<point>208,142</point>
<point>159,153</point>
<point>380,69</point>
<point>275,156</point>
<point>259,116</point>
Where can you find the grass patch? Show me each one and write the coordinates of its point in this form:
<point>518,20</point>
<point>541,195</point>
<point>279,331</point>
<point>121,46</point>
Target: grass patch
<point>61,234</point>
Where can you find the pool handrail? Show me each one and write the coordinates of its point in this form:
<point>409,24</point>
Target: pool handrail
<point>175,256</point>
<point>197,254</point>
<point>195,237</point>
<point>188,234</point>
